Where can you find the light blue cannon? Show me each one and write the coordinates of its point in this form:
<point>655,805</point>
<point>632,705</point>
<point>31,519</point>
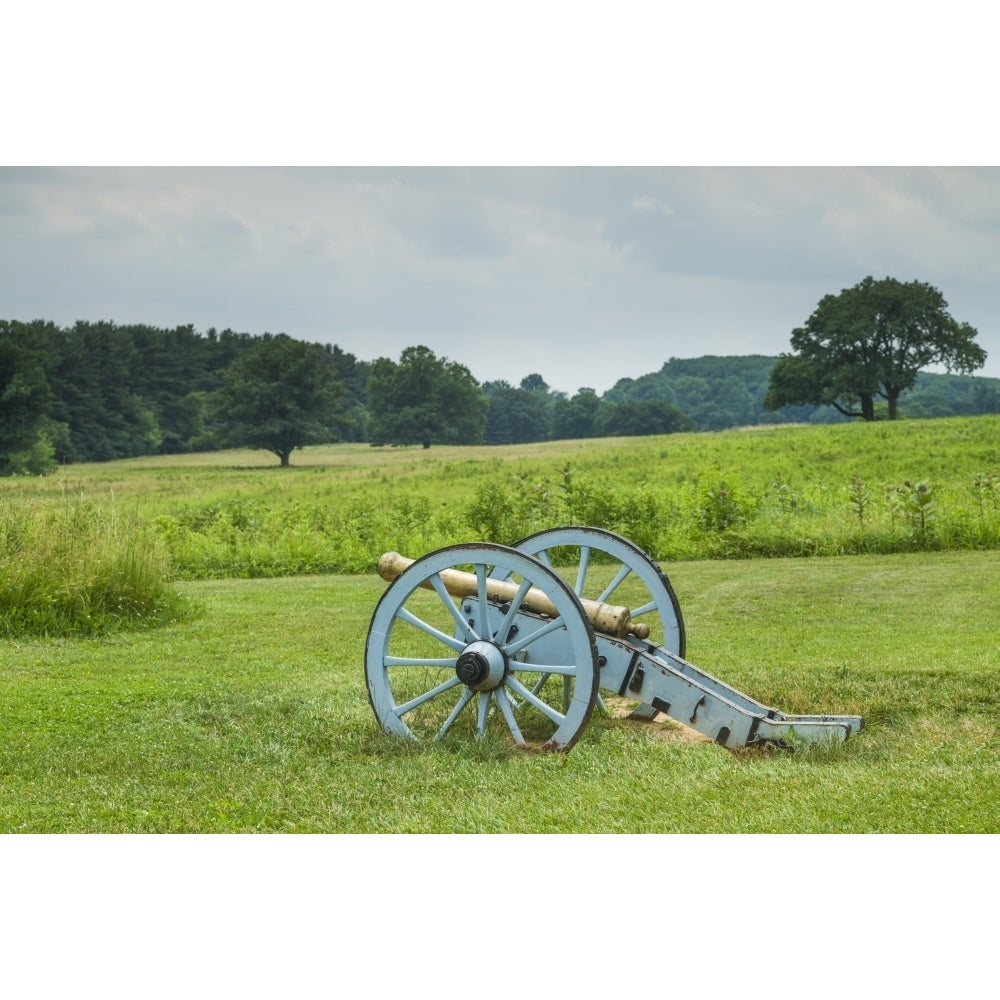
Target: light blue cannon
<point>477,640</point>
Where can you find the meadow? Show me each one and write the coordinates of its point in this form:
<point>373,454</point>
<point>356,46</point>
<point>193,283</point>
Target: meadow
<point>223,689</point>
<point>919,485</point>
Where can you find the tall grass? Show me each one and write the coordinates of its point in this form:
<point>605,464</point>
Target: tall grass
<point>250,538</point>
<point>79,569</point>
<point>907,486</point>
<point>714,515</point>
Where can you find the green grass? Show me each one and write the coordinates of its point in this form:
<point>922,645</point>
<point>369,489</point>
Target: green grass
<point>74,568</point>
<point>247,711</point>
<point>920,485</point>
<point>884,453</point>
<point>253,717</point>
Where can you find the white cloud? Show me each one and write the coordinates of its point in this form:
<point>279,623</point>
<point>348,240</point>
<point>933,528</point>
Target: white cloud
<point>646,203</point>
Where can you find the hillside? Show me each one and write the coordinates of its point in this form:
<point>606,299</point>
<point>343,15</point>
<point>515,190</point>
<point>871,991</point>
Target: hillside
<point>720,392</point>
<point>786,490</point>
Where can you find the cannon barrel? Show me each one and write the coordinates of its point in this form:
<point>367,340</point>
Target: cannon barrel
<point>609,619</point>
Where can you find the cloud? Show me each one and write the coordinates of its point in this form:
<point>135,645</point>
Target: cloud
<point>585,275</point>
<point>646,203</point>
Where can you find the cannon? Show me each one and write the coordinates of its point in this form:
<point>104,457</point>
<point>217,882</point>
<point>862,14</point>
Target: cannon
<point>519,641</point>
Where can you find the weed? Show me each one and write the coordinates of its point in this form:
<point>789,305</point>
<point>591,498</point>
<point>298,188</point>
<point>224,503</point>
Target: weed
<point>986,490</point>
<point>915,504</point>
<point>722,505</point>
<point>859,497</point>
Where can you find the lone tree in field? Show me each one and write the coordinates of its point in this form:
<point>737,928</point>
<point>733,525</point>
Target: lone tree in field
<point>424,400</point>
<point>871,340</point>
<point>280,395</point>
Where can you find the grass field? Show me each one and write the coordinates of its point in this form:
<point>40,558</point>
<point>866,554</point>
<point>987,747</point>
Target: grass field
<point>921,485</point>
<point>253,717</point>
<point>248,712</point>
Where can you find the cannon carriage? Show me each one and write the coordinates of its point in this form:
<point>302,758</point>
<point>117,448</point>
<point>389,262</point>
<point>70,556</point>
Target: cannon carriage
<point>520,641</point>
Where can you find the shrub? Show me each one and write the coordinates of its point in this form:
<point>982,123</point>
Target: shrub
<point>722,504</point>
<point>37,460</point>
<point>914,504</point>
<point>74,569</point>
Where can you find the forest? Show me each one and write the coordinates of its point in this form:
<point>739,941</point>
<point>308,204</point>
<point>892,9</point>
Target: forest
<point>98,391</point>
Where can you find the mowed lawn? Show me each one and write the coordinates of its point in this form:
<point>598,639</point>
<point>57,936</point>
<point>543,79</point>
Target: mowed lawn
<point>253,717</point>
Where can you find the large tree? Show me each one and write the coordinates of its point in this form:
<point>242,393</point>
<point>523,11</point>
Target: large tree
<point>280,395</point>
<point>871,341</point>
<point>424,400</point>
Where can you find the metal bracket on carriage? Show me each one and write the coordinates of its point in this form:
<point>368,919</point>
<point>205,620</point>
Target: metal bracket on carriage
<point>609,619</point>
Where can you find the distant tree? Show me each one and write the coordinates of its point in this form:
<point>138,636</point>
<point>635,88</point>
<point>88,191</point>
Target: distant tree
<point>986,396</point>
<point>491,387</point>
<point>517,416</point>
<point>92,372</point>
<point>715,392</point>
<point>280,395</point>
<point>353,374</point>
<point>25,401</point>
<point>871,340</point>
<point>498,429</point>
<point>424,400</point>
<point>574,418</point>
<point>534,383</point>
<point>723,402</point>
<point>172,369</point>
<point>637,417</point>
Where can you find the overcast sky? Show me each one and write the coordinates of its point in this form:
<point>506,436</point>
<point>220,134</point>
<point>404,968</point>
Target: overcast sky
<point>585,275</point>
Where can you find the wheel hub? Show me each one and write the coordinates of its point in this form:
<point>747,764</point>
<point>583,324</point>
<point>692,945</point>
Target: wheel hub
<point>482,665</point>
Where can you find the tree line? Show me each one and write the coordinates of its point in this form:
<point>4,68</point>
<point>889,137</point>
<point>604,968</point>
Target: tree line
<point>98,391</point>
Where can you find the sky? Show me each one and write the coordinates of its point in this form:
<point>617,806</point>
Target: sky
<point>583,275</point>
<point>213,168</point>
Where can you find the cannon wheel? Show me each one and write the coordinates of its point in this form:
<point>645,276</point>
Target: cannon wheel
<point>651,599</point>
<point>439,666</point>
